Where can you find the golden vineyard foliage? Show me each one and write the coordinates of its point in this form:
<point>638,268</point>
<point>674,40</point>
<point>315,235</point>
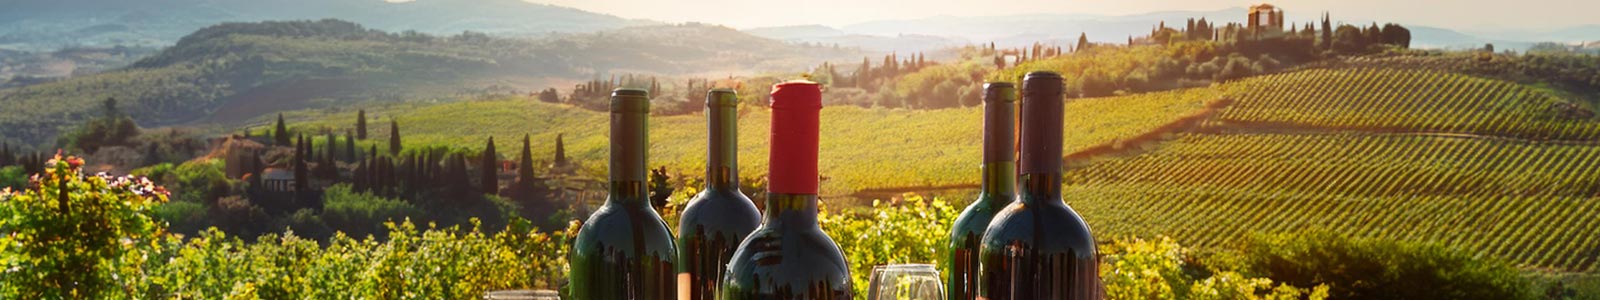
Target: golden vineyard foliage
<point>144,262</point>
<point>1526,203</point>
<point>1406,100</point>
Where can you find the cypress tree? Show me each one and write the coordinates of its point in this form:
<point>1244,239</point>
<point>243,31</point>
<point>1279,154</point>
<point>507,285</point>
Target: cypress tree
<point>413,174</point>
<point>332,149</point>
<point>1327,32</point>
<point>525,164</point>
<point>394,137</point>
<point>461,183</point>
<point>561,150</point>
<point>349,147</point>
<point>385,176</point>
<point>380,175</point>
<point>490,182</point>
<point>1083,41</point>
<point>361,124</point>
<point>301,182</point>
<point>359,181</point>
<point>310,154</point>
<point>281,132</point>
<point>5,154</point>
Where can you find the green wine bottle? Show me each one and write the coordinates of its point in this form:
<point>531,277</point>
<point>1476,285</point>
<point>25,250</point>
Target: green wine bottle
<point>624,250</point>
<point>1037,247</point>
<point>721,216</point>
<point>789,257</point>
<point>999,188</point>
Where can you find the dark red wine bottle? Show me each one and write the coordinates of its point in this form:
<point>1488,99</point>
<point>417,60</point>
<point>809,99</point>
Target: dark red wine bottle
<point>999,188</point>
<point>789,257</point>
<point>721,216</point>
<point>1037,247</point>
<point>624,250</point>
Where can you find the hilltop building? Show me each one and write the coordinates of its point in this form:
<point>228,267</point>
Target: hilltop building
<point>1265,16</point>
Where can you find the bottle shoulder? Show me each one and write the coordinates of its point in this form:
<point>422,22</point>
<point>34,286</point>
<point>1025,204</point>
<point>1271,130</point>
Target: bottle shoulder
<point>1047,228</point>
<point>720,209</point>
<point>975,218</point>
<point>807,253</point>
<point>618,227</point>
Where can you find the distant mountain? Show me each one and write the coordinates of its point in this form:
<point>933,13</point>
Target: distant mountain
<point>237,71</point>
<point>1574,34</point>
<point>1584,33</point>
<point>829,36</point>
<point>797,32</point>
<point>43,25</point>
<point>1434,37</point>
<point>1019,30</point>
<point>925,34</point>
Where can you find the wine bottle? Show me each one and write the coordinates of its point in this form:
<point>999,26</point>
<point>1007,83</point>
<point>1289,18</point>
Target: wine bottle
<point>789,257</point>
<point>721,216</point>
<point>999,188</point>
<point>624,250</point>
<point>1037,247</point>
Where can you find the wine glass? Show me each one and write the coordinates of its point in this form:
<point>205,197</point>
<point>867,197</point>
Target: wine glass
<point>522,295</point>
<point>905,282</point>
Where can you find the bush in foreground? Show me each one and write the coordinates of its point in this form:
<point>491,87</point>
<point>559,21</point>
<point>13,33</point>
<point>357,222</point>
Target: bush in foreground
<point>114,248</point>
<point>1365,268</point>
<point>73,236</point>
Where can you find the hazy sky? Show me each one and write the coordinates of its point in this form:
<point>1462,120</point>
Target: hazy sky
<point>1462,14</point>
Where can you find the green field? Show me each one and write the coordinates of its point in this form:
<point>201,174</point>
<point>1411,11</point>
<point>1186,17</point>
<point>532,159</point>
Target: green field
<point>862,148</point>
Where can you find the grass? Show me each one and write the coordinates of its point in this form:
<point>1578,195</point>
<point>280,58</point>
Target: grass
<point>861,148</point>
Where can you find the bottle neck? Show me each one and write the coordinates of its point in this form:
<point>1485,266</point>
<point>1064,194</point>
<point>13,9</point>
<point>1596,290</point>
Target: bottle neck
<point>1041,134</point>
<point>999,140</point>
<point>722,150</point>
<point>999,179</point>
<point>1041,189</point>
<point>790,210</point>
<point>628,145</point>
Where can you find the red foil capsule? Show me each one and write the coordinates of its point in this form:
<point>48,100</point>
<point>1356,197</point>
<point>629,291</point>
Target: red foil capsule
<point>795,109</point>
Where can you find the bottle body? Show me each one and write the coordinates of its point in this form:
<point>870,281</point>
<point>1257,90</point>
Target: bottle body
<point>998,189</point>
<point>719,217</point>
<point>789,256</point>
<point>1037,247</point>
<point>622,253</point>
<point>624,250</point>
<point>1039,252</point>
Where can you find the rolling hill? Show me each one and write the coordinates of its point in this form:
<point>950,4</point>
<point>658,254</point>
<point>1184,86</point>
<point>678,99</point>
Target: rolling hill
<point>1487,166</point>
<point>47,24</point>
<point>244,70</point>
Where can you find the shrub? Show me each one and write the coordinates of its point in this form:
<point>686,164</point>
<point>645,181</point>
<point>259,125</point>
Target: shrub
<point>361,214</point>
<point>1158,269</point>
<point>183,217</point>
<point>13,177</point>
<point>912,231</point>
<point>73,236</point>
<point>1364,268</point>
